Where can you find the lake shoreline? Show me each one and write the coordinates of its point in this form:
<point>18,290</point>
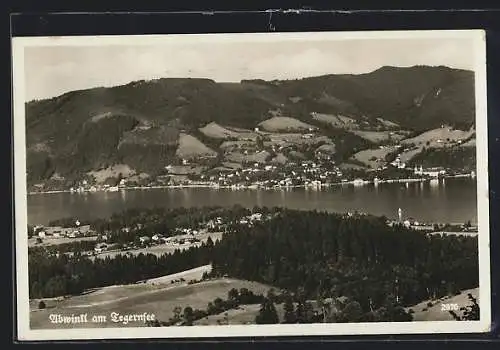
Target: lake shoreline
<point>451,200</point>
<point>319,186</point>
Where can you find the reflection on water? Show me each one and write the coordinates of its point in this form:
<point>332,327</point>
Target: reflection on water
<point>453,200</point>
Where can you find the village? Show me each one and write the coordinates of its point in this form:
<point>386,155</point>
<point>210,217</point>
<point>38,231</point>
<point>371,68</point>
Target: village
<point>109,244</point>
<point>257,160</point>
<point>306,174</point>
<point>103,244</point>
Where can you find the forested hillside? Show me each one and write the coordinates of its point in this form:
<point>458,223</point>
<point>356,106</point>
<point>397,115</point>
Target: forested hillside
<point>359,257</point>
<point>140,124</point>
<point>311,254</point>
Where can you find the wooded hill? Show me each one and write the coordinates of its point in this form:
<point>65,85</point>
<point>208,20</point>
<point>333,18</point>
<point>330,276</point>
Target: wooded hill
<point>139,123</point>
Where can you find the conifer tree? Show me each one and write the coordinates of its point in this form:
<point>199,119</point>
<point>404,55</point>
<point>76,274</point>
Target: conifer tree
<point>290,315</point>
<point>267,313</point>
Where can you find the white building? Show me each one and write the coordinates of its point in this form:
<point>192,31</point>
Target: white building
<point>432,172</point>
<point>99,248</point>
<point>358,182</point>
<point>144,239</point>
<point>398,163</point>
<point>256,216</point>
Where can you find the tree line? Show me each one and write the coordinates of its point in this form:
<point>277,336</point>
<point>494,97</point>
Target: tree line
<point>294,309</point>
<point>52,275</point>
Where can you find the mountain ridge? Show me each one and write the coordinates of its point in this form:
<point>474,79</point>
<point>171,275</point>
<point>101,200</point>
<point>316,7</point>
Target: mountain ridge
<point>82,130</point>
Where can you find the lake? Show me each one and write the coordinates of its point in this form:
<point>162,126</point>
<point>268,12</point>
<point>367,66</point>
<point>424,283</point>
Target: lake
<point>450,200</point>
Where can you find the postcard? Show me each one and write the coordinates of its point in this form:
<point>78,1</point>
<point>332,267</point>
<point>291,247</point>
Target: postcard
<point>246,185</point>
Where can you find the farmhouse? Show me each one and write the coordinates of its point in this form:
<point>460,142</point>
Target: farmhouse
<point>100,247</point>
<point>84,230</point>
<point>144,239</point>
<point>58,231</point>
<point>157,237</point>
<point>255,217</point>
<point>398,163</point>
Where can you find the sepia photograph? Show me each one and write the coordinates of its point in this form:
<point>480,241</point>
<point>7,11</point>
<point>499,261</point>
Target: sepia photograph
<point>233,185</point>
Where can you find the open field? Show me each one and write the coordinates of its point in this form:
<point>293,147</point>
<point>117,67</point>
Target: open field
<point>191,147</point>
<point>470,143</point>
<point>188,275</point>
<point>244,314</point>
<point>295,138</point>
<point>231,165</point>
<point>100,116</point>
<point>406,156</point>
<point>279,159</point>
<point>284,124</point>
<point>185,169</point>
<point>387,123</point>
<point>216,131</point>
<point>158,299</point>
<point>146,134</point>
<point>337,121</point>
<point>439,137</point>
<point>422,312</point>
<point>242,144</point>
<point>374,157</point>
<point>48,241</point>
<point>111,294</point>
<point>435,138</point>
<point>112,171</point>
<point>238,157</point>
<point>381,136</point>
<point>327,148</point>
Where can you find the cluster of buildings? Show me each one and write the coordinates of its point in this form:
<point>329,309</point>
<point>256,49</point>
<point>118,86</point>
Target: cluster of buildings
<point>398,163</point>
<point>84,186</point>
<point>431,172</point>
<point>433,228</point>
<point>251,219</point>
<point>68,232</point>
<point>291,174</point>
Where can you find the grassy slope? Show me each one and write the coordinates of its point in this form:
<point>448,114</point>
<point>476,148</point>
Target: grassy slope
<point>159,299</point>
<point>434,312</point>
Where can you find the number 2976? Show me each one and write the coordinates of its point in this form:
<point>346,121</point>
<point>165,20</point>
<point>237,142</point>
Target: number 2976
<point>449,307</point>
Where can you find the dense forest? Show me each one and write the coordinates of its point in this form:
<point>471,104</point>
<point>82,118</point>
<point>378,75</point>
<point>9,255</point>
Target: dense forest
<point>359,257</point>
<point>310,254</point>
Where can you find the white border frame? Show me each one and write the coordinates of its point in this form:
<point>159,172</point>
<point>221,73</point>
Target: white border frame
<point>417,327</point>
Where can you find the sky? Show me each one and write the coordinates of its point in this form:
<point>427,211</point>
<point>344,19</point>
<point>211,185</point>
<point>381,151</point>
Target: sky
<point>53,70</point>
